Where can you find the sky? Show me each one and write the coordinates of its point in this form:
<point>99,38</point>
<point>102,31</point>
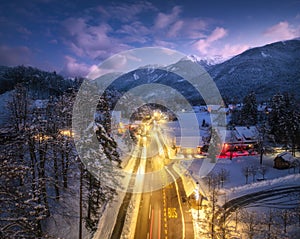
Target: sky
<point>71,37</point>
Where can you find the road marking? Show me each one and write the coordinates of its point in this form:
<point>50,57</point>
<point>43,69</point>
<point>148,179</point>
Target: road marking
<point>172,213</point>
<point>179,201</point>
<point>159,223</point>
<point>149,211</point>
<point>151,225</point>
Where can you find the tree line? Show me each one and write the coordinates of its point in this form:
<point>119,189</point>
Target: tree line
<point>279,120</point>
<point>281,220</point>
<point>39,162</point>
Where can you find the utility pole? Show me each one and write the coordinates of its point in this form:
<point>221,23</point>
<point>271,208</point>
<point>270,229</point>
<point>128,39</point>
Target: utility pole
<point>231,147</point>
<point>80,200</point>
<point>198,200</point>
<point>261,144</point>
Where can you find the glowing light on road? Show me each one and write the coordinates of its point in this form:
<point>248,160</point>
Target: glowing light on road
<point>66,132</point>
<point>42,137</point>
<point>151,59</point>
<point>196,194</point>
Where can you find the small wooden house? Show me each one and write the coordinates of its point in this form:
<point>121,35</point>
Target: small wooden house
<point>284,160</point>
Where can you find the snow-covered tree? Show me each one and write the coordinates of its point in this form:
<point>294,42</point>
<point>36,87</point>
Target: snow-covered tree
<point>18,108</point>
<point>21,212</point>
<point>251,223</point>
<point>284,120</point>
<point>97,150</point>
<point>263,170</point>
<point>249,110</point>
<point>223,176</point>
<point>215,145</point>
<point>246,172</point>
<point>211,223</point>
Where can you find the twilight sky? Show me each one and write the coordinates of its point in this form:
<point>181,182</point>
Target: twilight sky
<point>72,36</point>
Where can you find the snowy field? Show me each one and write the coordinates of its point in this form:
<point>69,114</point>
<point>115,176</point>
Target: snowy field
<point>236,181</point>
<point>235,186</point>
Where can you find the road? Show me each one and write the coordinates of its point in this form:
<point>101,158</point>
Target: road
<point>162,213</point>
<point>240,202</point>
<point>117,231</point>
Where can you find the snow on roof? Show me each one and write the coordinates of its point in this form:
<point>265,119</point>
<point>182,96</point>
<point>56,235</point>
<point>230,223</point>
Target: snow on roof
<point>189,141</point>
<point>248,133</point>
<point>239,134</point>
<point>287,157</point>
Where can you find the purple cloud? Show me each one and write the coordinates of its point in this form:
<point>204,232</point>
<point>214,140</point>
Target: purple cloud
<point>165,20</point>
<point>281,31</point>
<point>72,68</point>
<point>203,45</point>
<point>93,41</point>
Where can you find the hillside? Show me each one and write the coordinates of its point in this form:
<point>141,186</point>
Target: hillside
<point>40,84</point>
<point>265,70</point>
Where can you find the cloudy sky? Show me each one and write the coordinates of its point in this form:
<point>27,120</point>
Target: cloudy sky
<point>72,36</point>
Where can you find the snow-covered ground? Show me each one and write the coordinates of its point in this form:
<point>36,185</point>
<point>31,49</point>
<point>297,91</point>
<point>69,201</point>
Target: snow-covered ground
<point>236,185</point>
<point>64,220</point>
<point>237,182</point>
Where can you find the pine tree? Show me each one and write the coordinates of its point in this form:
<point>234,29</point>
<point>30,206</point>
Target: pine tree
<point>249,110</point>
<point>284,120</point>
<point>97,150</point>
<point>215,145</point>
<point>276,116</point>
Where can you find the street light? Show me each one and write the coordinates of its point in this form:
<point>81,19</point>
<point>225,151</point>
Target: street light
<point>198,199</point>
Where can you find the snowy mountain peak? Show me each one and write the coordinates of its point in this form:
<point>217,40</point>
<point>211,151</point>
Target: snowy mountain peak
<point>192,58</point>
<point>209,61</point>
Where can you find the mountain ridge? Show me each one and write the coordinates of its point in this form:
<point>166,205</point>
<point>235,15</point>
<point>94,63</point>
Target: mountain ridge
<point>266,70</point>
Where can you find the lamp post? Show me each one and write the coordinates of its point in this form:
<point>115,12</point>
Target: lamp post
<point>198,197</point>
<point>261,144</point>
<point>231,141</point>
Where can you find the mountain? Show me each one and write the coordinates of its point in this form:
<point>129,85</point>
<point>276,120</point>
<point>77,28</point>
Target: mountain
<point>145,82</point>
<point>206,62</point>
<point>265,70</point>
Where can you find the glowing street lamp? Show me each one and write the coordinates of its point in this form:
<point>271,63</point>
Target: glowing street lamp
<point>198,198</point>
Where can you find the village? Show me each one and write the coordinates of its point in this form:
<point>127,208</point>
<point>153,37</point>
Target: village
<point>235,140</point>
<point>248,162</point>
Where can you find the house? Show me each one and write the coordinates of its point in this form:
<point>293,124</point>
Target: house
<point>186,134</point>
<point>285,160</point>
<point>242,136</point>
<point>240,139</point>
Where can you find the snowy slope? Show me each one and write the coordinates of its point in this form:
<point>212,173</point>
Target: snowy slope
<point>266,70</point>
